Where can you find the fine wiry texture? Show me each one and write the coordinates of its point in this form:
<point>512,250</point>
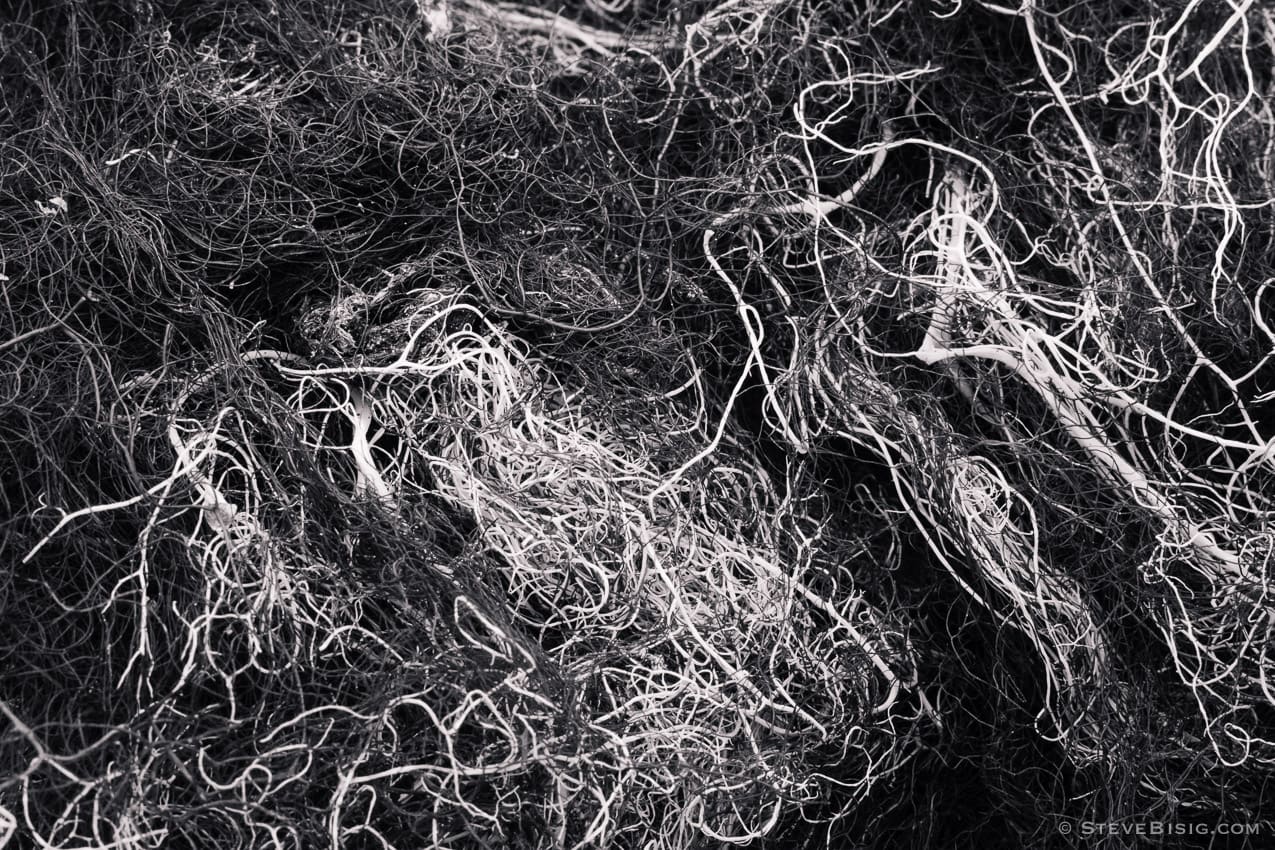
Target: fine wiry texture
<point>644,425</point>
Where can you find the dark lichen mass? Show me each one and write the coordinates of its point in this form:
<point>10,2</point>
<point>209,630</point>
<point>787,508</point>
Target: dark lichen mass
<point>644,425</point>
